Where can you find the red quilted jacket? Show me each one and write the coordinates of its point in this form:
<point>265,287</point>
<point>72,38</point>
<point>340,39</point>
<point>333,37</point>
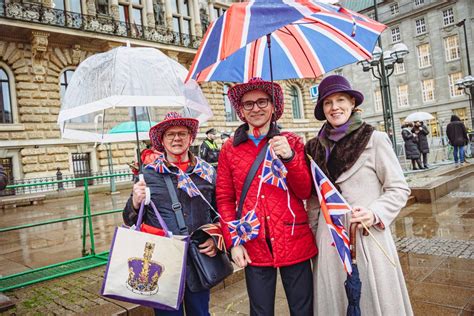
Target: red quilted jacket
<point>235,160</point>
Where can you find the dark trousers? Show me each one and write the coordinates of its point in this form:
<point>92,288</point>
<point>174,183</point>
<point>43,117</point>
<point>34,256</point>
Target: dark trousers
<point>425,159</point>
<point>195,303</point>
<point>297,281</point>
<point>417,161</point>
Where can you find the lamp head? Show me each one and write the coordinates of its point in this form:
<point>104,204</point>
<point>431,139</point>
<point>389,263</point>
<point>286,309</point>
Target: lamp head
<point>400,50</point>
<point>376,55</point>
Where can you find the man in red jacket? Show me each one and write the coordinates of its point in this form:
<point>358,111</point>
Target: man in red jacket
<point>284,239</point>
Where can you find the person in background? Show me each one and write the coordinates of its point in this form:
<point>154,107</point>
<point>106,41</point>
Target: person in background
<point>457,136</point>
<point>421,131</point>
<point>412,151</point>
<point>173,137</point>
<point>284,241</point>
<point>361,163</point>
<point>209,150</point>
<point>225,136</point>
<point>3,178</point>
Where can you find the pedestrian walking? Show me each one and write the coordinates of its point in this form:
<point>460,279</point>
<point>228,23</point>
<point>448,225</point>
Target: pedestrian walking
<point>421,132</point>
<point>209,150</point>
<point>284,240</point>
<point>412,151</point>
<point>361,163</point>
<point>173,137</point>
<point>457,137</point>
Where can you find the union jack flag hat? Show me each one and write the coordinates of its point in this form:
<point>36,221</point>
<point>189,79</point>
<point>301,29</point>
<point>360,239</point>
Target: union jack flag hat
<point>237,92</point>
<point>172,119</point>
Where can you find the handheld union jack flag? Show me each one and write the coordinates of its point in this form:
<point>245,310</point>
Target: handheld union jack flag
<point>333,208</point>
<point>159,166</point>
<point>274,171</point>
<point>244,229</point>
<point>214,230</point>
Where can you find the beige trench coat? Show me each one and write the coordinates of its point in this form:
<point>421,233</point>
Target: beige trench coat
<point>376,182</point>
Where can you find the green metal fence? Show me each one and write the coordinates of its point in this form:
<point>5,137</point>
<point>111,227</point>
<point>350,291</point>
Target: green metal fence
<point>90,259</point>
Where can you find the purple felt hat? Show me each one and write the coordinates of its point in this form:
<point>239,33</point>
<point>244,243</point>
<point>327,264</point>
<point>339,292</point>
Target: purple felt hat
<point>237,92</point>
<point>171,119</point>
<point>334,84</point>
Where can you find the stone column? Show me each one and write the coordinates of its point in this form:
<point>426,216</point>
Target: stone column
<point>210,11</point>
<point>196,17</point>
<point>48,3</point>
<point>168,15</point>
<point>150,16</point>
<point>90,7</point>
<point>114,9</point>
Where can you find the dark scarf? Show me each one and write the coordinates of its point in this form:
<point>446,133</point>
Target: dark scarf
<point>336,150</point>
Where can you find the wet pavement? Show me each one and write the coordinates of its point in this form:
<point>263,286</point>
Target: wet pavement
<point>435,243</point>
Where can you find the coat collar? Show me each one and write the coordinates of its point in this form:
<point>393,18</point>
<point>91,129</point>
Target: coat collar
<point>241,136</point>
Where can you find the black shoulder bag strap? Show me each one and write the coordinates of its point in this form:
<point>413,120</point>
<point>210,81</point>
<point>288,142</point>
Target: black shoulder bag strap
<point>176,205</point>
<point>249,178</point>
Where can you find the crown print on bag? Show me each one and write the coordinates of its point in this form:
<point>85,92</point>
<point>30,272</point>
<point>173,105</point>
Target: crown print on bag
<point>143,273</point>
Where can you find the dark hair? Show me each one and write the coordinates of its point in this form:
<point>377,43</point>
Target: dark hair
<point>455,118</point>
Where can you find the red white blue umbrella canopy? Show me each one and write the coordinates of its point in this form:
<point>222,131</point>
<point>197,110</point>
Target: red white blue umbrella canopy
<point>323,38</point>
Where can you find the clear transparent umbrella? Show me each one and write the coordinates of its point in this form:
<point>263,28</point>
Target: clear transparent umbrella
<point>127,84</point>
<point>419,116</point>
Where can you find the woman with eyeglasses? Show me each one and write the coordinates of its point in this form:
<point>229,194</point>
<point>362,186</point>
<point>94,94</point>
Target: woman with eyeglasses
<point>172,138</point>
<point>284,240</point>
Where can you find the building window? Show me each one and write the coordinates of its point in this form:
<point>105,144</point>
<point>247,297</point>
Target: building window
<point>448,17</point>
<point>6,115</point>
<point>68,5</point>
<point>181,16</point>
<point>433,125</point>
<point>424,59</point>
<point>394,8</point>
<point>378,100</point>
<point>451,48</point>
<point>461,113</point>
<point>453,90</point>
<point>338,72</point>
<point>420,26</point>
<point>218,11</point>
<point>102,7</point>
<point>131,12</point>
<point>396,35</point>
<point>296,103</point>
<point>371,15</point>
<point>402,96</point>
<point>400,68</point>
<point>230,115</point>
<point>427,90</point>
<point>65,79</point>
<point>419,2</point>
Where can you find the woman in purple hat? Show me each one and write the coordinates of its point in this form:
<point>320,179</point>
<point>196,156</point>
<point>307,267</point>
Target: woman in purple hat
<point>363,166</point>
<point>284,240</point>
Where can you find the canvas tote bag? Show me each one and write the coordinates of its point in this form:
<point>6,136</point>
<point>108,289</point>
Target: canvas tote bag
<point>146,269</point>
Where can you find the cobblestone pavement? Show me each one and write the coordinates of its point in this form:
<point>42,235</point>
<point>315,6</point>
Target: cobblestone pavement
<point>439,247</point>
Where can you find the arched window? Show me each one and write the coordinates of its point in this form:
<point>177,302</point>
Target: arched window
<point>230,115</point>
<point>6,115</point>
<point>296,102</point>
<point>65,79</point>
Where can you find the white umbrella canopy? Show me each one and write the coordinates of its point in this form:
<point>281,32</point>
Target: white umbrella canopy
<point>419,116</point>
<point>107,88</point>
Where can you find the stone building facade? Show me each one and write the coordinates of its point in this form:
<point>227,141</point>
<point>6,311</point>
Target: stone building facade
<point>437,59</point>
<point>43,41</point>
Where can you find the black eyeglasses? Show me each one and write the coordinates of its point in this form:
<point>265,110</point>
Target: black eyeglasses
<point>261,103</point>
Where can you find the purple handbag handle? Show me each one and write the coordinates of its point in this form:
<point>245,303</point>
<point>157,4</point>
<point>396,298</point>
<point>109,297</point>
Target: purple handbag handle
<point>157,214</point>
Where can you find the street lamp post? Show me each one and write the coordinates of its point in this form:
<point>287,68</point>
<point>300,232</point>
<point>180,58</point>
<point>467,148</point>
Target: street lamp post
<point>382,66</point>
<point>467,83</point>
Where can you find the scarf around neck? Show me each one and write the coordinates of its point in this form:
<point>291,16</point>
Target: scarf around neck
<point>329,136</point>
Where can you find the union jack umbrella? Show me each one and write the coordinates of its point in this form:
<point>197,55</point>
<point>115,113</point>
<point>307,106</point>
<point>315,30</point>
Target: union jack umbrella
<point>308,39</point>
<point>333,208</point>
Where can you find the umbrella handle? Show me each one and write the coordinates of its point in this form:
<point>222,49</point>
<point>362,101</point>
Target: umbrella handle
<point>352,240</point>
<point>141,177</point>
